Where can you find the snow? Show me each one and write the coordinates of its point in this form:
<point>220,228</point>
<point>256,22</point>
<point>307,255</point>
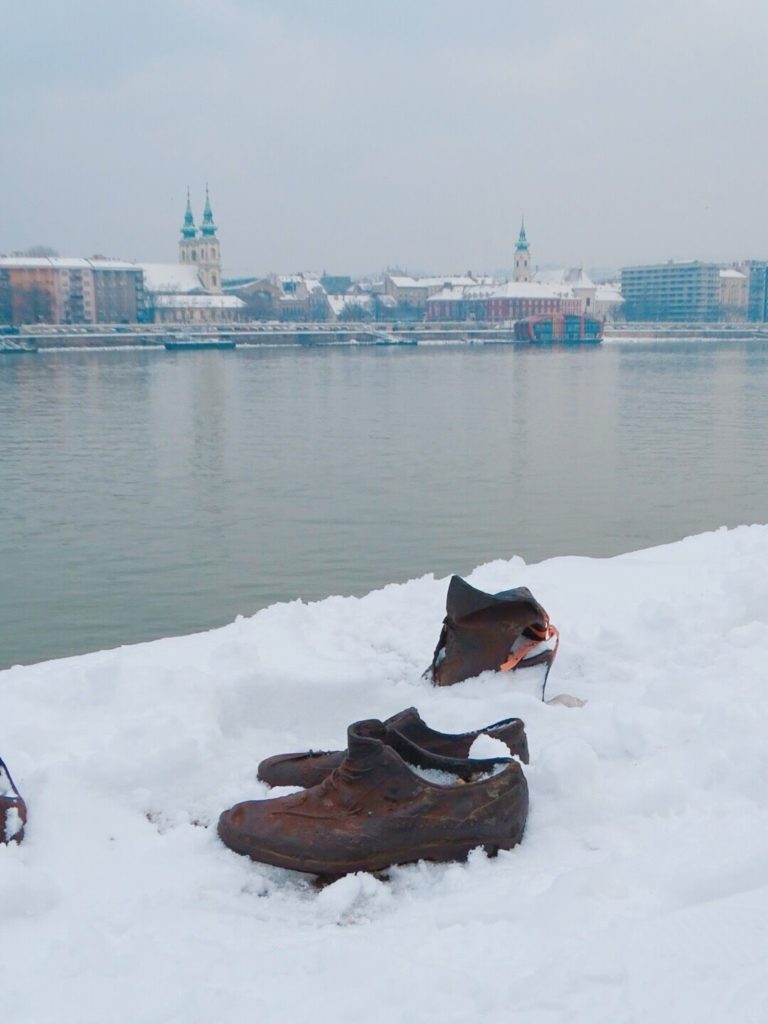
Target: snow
<point>448,280</point>
<point>510,290</point>
<point>197,302</point>
<point>13,824</point>
<point>572,277</point>
<point>339,303</point>
<point>640,890</point>
<point>63,263</point>
<point>171,277</point>
<point>486,746</point>
<point>438,777</point>
<point>608,294</point>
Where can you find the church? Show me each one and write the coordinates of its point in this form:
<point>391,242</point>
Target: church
<point>529,293</point>
<point>190,292</point>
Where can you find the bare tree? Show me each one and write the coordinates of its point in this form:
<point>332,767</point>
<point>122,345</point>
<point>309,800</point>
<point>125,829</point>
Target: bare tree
<point>39,250</point>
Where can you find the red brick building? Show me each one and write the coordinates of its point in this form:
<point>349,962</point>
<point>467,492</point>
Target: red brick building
<point>510,301</point>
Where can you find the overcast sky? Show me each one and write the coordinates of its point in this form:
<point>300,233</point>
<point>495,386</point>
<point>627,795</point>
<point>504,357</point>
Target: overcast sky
<point>349,135</point>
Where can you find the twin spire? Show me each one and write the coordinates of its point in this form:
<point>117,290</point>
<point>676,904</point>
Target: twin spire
<point>207,227</point>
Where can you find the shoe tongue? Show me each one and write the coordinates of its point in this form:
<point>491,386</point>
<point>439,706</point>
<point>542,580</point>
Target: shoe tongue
<point>364,739</point>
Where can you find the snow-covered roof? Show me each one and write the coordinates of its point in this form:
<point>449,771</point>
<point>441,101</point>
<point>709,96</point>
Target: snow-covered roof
<point>308,278</point>
<point>232,284</point>
<point>574,277</point>
<point>670,263</point>
<point>437,282</point>
<point>403,282</point>
<point>170,277</point>
<point>531,290</point>
<point>63,263</point>
<point>509,290</point>
<point>339,303</point>
<point>608,293</point>
<point>731,273</point>
<point>303,285</point>
<point>198,302</point>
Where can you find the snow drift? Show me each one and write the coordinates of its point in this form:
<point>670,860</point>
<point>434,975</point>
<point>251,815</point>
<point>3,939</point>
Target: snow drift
<point>640,891</point>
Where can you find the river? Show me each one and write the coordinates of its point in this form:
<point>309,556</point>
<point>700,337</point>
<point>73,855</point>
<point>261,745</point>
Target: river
<point>148,493</point>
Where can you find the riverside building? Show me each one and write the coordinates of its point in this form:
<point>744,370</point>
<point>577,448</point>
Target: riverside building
<point>674,291</point>
<point>529,293</point>
<point>64,290</point>
<point>757,308</point>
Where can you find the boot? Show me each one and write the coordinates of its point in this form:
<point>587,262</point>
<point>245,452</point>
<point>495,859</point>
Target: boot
<point>407,733</point>
<point>13,810</point>
<point>374,811</point>
<point>500,632</point>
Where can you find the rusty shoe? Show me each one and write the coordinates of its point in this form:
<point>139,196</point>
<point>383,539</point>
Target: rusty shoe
<point>13,810</point>
<point>501,632</point>
<point>374,810</point>
<point>410,736</point>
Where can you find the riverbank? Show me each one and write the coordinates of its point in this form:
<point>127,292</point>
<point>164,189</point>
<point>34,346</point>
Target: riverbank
<point>265,334</point>
<point>148,336</point>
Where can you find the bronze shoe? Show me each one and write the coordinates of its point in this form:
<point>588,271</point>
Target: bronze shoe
<point>409,735</point>
<point>500,632</point>
<point>13,810</point>
<point>374,811</point>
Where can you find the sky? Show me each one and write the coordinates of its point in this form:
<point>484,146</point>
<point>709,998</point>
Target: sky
<point>350,136</point>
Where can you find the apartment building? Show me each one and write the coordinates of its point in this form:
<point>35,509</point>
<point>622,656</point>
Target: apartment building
<point>62,290</point>
<point>673,291</point>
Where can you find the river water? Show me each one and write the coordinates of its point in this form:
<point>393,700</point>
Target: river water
<point>148,493</point>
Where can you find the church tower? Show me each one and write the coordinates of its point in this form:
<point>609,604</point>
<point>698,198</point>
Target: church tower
<point>522,257</point>
<point>188,242</point>
<point>202,249</point>
<point>209,254</point>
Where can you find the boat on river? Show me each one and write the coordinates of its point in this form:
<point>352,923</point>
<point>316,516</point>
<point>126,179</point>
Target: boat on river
<point>191,342</point>
<point>9,347</point>
<point>560,329</point>
<point>383,338</point>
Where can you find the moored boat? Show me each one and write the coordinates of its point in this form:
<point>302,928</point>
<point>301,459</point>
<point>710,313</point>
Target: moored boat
<point>183,344</point>
<point>560,328</point>
<point>16,347</point>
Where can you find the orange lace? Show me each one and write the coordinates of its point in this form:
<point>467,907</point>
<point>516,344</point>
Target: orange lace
<point>541,635</point>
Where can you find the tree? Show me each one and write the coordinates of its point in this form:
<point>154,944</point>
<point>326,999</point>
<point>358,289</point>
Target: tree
<point>355,312</point>
<point>39,250</point>
<point>33,305</point>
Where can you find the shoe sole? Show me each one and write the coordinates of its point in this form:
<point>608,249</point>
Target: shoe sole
<point>436,852</point>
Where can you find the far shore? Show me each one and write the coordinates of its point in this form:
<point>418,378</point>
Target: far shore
<point>132,336</point>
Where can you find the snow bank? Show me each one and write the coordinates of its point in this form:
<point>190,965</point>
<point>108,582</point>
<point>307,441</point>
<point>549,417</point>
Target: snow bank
<point>640,892</point>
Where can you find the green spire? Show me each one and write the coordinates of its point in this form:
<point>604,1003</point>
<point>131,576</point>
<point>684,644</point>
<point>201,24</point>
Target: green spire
<point>522,241</point>
<point>188,229</point>
<point>207,227</point>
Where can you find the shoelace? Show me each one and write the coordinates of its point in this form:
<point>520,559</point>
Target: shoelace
<point>547,633</point>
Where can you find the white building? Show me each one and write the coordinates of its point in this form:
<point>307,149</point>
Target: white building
<point>734,294</point>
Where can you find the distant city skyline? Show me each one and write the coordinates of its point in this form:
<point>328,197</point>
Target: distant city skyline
<point>349,138</point>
